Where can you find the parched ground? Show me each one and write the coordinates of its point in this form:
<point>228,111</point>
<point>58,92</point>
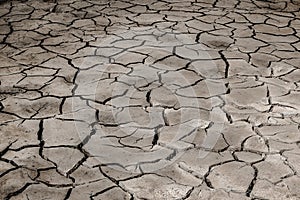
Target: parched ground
<point>149,99</point>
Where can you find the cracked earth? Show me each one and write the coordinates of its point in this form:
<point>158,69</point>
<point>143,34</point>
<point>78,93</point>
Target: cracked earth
<point>149,99</point>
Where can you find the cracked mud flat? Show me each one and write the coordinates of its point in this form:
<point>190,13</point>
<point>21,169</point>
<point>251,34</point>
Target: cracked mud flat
<point>149,99</point>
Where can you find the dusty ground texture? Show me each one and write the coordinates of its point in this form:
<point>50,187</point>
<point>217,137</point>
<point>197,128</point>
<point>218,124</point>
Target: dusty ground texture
<point>148,99</point>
